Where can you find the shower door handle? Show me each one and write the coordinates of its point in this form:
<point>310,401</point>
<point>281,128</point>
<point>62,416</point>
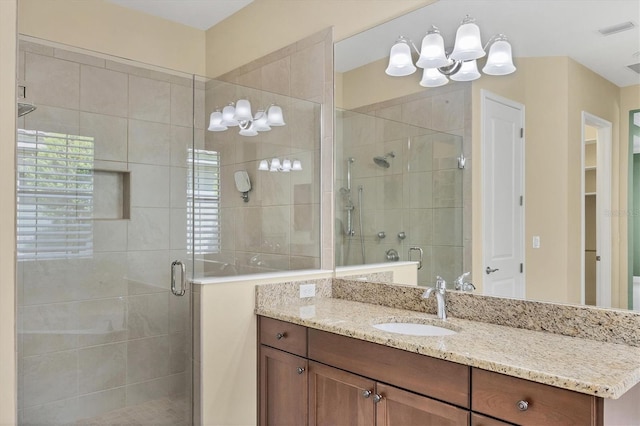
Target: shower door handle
<point>174,289</point>
<point>421,254</point>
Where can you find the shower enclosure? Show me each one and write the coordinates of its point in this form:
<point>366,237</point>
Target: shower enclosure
<point>102,211</point>
<point>409,194</point>
<point>120,176</point>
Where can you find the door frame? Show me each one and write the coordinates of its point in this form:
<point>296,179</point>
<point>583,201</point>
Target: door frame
<point>603,205</point>
<point>486,95</point>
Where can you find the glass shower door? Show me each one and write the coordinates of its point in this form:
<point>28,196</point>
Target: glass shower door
<point>102,183</point>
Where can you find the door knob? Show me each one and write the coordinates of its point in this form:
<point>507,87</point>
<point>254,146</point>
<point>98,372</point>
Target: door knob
<point>490,270</point>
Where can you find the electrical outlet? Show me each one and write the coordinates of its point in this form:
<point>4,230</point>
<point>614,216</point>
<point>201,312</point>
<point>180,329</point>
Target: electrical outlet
<point>536,241</point>
<point>307,290</point>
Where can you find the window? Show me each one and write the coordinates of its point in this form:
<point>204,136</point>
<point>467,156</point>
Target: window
<point>54,195</point>
<point>203,195</point>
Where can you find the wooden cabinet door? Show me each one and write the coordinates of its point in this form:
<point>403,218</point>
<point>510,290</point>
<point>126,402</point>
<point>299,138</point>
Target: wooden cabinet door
<point>283,388</point>
<point>401,408</point>
<point>337,397</point>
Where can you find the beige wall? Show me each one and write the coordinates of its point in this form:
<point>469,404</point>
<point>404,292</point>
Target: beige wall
<point>108,28</point>
<point>8,9</point>
<point>266,25</point>
<point>552,137</point>
<point>357,84</point>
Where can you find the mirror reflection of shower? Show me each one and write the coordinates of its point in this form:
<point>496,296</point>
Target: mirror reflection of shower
<point>349,207</point>
<point>24,108</point>
<point>349,230</point>
<point>382,160</point>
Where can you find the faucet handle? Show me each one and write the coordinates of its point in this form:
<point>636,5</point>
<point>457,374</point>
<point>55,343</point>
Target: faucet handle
<point>459,282</point>
<point>441,284</point>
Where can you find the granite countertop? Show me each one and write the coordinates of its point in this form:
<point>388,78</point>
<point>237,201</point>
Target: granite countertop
<point>592,367</point>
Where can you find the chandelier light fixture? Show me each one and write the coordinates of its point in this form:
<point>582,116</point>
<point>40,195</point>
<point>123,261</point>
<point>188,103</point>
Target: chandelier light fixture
<point>275,165</point>
<point>239,114</point>
<point>460,64</point>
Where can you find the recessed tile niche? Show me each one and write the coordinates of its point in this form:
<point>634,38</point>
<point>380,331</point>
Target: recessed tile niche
<point>111,194</point>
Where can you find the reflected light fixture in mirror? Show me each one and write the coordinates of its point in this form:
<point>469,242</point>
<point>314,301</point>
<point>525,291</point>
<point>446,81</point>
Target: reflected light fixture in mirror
<point>276,165</point>
<point>239,114</point>
<point>460,65</point>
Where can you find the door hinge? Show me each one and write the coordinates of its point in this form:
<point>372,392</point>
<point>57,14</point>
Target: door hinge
<point>522,132</point>
<point>521,268</point>
<point>521,200</point>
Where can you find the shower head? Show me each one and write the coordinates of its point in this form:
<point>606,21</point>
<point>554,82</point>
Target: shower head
<point>382,161</point>
<point>25,108</point>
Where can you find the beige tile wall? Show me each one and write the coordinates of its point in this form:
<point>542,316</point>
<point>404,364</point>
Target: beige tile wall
<point>422,193</point>
<point>102,333</point>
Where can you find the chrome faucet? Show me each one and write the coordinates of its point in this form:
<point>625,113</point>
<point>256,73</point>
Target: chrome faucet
<point>441,296</point>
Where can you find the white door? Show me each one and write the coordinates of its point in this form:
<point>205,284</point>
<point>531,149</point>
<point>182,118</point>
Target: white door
<point>503,196</point>
<point>603,236</point>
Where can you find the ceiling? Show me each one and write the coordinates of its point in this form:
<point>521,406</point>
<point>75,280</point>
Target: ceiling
<point>534,28</point>
<point>200,14</point>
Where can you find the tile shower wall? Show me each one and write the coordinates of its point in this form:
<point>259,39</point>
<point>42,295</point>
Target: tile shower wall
<point>279,228</point>
<point>102,333</point>
<point>422,193</point>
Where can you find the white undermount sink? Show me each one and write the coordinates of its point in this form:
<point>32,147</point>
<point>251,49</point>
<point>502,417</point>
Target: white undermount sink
<point>414,329</point>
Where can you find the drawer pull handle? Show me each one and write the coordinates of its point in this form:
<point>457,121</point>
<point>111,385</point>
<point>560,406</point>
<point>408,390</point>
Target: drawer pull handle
<point>280,336</point>
<point>377,398</point>
<point>523,405</point>
<point>366,393</point>
<point>300,370</point>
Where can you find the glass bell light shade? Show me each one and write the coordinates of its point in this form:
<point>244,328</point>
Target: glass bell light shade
<point>248,131</point>
<point>286,165</point>
<point>432,53</point>
<point>468,72</point>
<point>227,116</point>
<point>275,165</point>
<point>264,165</point>
<point>499,61</point>
<point>274,116</point>
<point>296,166</point>
<point>260,122</point>
<point>431,77</point>
<point>400,61</point>
<point>468,44</point>
<point>243,111</point>
<point>215,122</point>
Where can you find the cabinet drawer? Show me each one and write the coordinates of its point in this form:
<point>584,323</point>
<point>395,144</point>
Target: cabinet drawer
<point>283,335</point>
<point>440,379</point>
<point>479,420</point>
<point>498,395</point>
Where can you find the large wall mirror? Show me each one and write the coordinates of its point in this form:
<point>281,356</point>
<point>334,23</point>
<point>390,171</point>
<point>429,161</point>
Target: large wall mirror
<point>567,197</point>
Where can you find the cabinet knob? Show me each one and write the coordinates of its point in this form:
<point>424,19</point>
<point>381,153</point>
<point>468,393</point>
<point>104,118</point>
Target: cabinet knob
<point>377,398</point>
<point>523,405</point>
<point>281,335</point>
<point>300,370</point>
<point>366,393</point>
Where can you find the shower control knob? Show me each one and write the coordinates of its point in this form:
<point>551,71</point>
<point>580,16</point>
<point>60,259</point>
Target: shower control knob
<point>402,235</point>
<point>381,234</point>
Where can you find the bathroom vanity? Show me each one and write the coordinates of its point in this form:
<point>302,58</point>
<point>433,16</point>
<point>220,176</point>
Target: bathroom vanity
<point>321,361</point>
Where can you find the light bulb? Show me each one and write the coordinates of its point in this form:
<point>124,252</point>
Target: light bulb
<point>243,111</point>
<point>227,116</point>
<point>431,77</point>
<point>400,61</point>
<point>500,60</point>
<point>432,53</point>
<point>468,44</point>
<point>296,166</point>
<point>468,72</point>
<point>264,165</point>
<point>274,116</point>
<point>215,122</point>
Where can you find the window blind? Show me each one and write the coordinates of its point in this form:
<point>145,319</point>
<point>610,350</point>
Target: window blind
<point>203,226</point>
<point>54,195</point>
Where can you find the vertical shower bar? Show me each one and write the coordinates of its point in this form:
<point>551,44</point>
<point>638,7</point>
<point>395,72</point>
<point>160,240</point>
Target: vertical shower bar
<point>360,216</point>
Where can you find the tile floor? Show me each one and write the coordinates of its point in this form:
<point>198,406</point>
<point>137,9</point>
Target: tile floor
<point>163,411</point>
